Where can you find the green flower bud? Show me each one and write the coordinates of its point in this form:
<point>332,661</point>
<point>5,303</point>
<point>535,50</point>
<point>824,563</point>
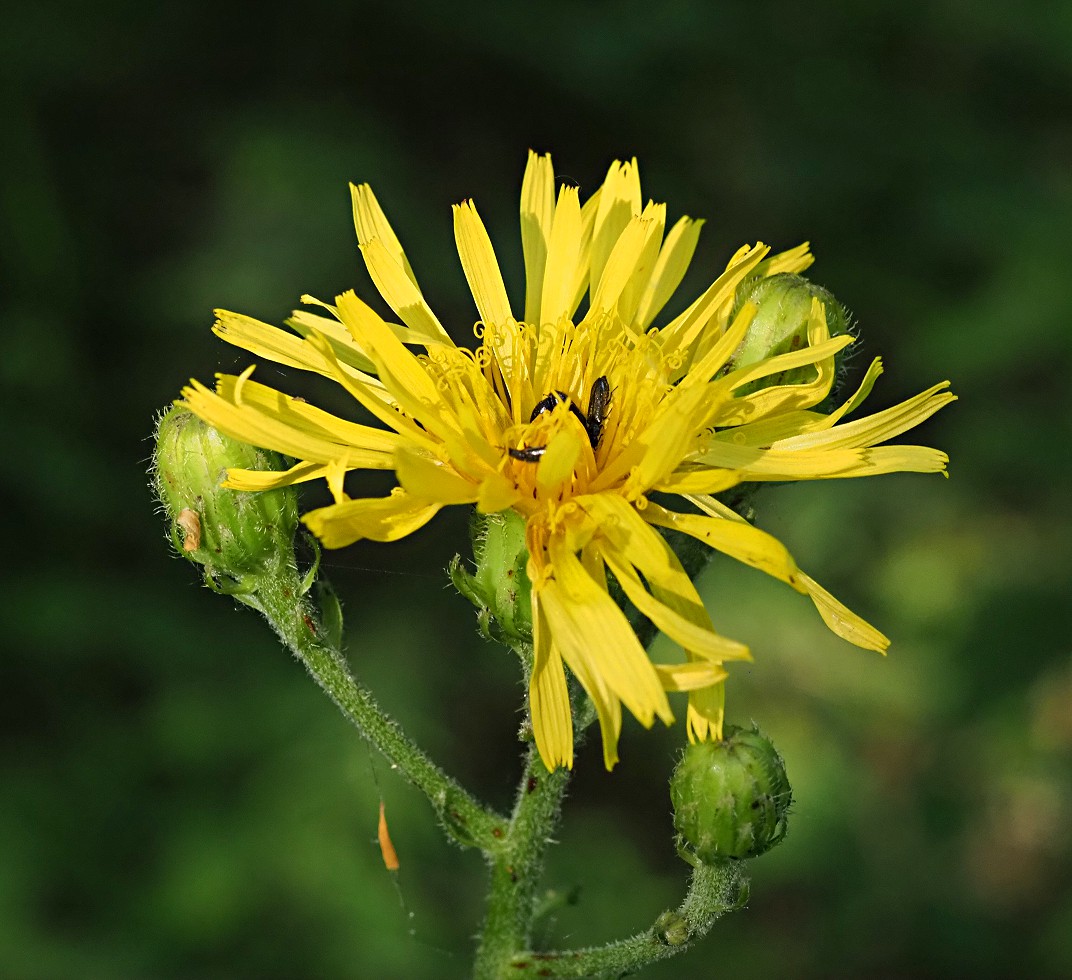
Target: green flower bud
<point>235,535</point>
<point>781,324</point>
<point>731,797</point>
<point>500,587</point>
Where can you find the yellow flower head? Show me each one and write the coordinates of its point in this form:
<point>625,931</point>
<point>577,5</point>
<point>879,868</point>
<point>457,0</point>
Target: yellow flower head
<point>573,421</point>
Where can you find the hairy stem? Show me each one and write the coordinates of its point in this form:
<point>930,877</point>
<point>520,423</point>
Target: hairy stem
<point>463,816</point>
<point>516,869</point>
<point>713,891</point>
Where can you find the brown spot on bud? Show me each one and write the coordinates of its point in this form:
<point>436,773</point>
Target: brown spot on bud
<point>191,529</point>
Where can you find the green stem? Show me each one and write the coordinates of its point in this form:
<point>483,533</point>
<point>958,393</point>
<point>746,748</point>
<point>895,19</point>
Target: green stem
<point>463,816</point>
<point>713,891</point>
<point>516,869</point>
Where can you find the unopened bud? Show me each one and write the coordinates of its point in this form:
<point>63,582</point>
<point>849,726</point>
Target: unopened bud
<point>783,311</point>
<point>236,534</point>
<point>500,586</point>
<point>731,798</point>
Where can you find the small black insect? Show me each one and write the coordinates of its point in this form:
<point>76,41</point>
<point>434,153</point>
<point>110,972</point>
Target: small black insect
<point>598,406</point>
<point>592,423</point>
<point>530,454</point>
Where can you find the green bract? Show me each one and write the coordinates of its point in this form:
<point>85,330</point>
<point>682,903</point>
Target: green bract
<point>731,797</point>
<point>235,536</point>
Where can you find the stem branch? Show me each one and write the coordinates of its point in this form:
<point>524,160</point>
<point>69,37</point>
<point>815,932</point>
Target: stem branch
<point>464,817</point>
<point>713,891</point>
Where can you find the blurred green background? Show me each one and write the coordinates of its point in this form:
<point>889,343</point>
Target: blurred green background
<point>178,800</point>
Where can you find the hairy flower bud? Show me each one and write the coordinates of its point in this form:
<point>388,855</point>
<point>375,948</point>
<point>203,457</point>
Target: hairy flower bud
<point>233,534</point>
<point>731,797</point>
<point>500,587</point>
<point>784,307</point>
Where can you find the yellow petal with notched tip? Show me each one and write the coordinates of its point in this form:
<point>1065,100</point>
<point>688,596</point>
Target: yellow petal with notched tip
<point>707,711</point>
<point>537,216</point>
<point>619,201</point>
<point>621,264</point>
<point>299,414</point>
<point>371,223</point>
<point>480,265</point>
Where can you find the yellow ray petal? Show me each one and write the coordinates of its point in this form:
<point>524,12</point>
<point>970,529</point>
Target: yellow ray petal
<point>691,676</point>
<point>608,707</point>
<point>628,540</point>
<point>584,251</point>
<point>794,260</point>
<point>786,425</point>
<point>742,541</point>
<point>701,372</point>
<point>346,351</point>
<point>496,493</point>
<point>878,427</point>
<point>292,437</point>
<point>563,256</point>
<point>619,201</point>
<point>754,463</point>
<point>625,262</point>
<point>378,519</point>
<point>557,463</point>
<point>670,268</point>
<point>425,478</point>
<point>404,374</point>
<point>537,215</point>
<point>699,479</point>
<point>842,620</point>
<point>683,332</point>
<point>264,340</point>
<point>480,265</point>
<point>299,414</point>
<point>812,354</point>
<point>549,705</point>
<point>399,291</point>
<point>837,617</point>
<point>693,637</point>
<point>589,628</point>
<point>257,480</point>
<point>707,711</point>
<point>371,223</point>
